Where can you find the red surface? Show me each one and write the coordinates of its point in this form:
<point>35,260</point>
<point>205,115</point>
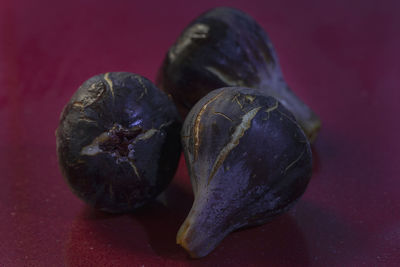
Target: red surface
<point>341,57</point>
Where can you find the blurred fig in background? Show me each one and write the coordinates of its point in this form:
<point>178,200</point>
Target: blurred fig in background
<point>226,47</point>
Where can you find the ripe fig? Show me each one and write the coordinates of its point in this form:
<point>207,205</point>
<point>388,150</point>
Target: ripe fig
<point>226,47</point>
<point>118,141</point>
<point>248,161</point>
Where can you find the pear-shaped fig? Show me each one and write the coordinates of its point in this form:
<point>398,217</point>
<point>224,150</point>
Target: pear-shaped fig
<point>118,141</point>
<point>226,47</point>
<point>248,161</point>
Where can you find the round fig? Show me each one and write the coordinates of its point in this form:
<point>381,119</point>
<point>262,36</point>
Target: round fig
<point>248,160</point>
<point>118,141</point>
<point>226,47</point>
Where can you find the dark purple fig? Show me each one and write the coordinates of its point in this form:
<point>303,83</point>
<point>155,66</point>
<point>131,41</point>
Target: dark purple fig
<point>226,47</point>
<point>118,141</point>
<point>248,161</point>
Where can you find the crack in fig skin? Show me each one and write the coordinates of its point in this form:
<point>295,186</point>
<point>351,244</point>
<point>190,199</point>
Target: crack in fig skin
<point>223,115</point>
<point>110,84</point>
<point>249,169</point>
<point>238,133</point>
<point>196,129</point>
<point>293,162</point>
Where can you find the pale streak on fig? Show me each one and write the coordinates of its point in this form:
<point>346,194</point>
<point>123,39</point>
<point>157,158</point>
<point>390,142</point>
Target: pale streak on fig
<point>223,77</point>
<point>287,117</point>
<point>87,120</point>
<point>237,134</point>
<point>165,124</point>
<point>197,31</point>
<point>109,82</point>
<point>134,168</point>
<point>223,115</point>
<point>148,134</point>
<point>237,101</point>
<point>78,104</point>
<point>250,98</point>
<point>268,110</point>
<point>196,130</point>
<point>294,162</point>
<point>93,148</point>
<point>143,86</point>
<point>275,106</point>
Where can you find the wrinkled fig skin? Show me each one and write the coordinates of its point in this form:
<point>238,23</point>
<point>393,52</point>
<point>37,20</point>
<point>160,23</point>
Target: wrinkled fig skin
<point>226,47</point>
<point>118,141</point>
<point>248,160</point>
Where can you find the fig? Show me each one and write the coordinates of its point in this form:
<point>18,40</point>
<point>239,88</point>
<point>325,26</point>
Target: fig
<point>118,141</point>
<point>248,161</point>
<point>226,47</point>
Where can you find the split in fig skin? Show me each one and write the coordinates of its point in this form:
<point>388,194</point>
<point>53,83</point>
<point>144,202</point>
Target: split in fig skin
<point>118,141</point>
<point>226,47</point>
<point>248,161</point>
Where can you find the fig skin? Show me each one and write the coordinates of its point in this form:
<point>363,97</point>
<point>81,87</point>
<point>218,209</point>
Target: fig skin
<point>226,47</point>
<point>248,161</point>
<point>118,141</point>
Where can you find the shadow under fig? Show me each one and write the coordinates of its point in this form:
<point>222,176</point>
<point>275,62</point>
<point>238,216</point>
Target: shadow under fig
<point>279,242</point>
<point>151,229</point>
<point>162,220</point>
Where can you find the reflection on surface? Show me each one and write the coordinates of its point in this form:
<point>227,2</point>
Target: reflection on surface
<point>329,237</point>
<point>307,235</point>
<point>148,235</point>
<point>162,221</point>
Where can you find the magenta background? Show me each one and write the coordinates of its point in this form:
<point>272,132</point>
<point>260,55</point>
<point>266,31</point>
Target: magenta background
<point>341,57</point>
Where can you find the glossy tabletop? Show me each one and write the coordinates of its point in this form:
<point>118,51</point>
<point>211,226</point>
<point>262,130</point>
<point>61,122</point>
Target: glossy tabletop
<point>342,57</point>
